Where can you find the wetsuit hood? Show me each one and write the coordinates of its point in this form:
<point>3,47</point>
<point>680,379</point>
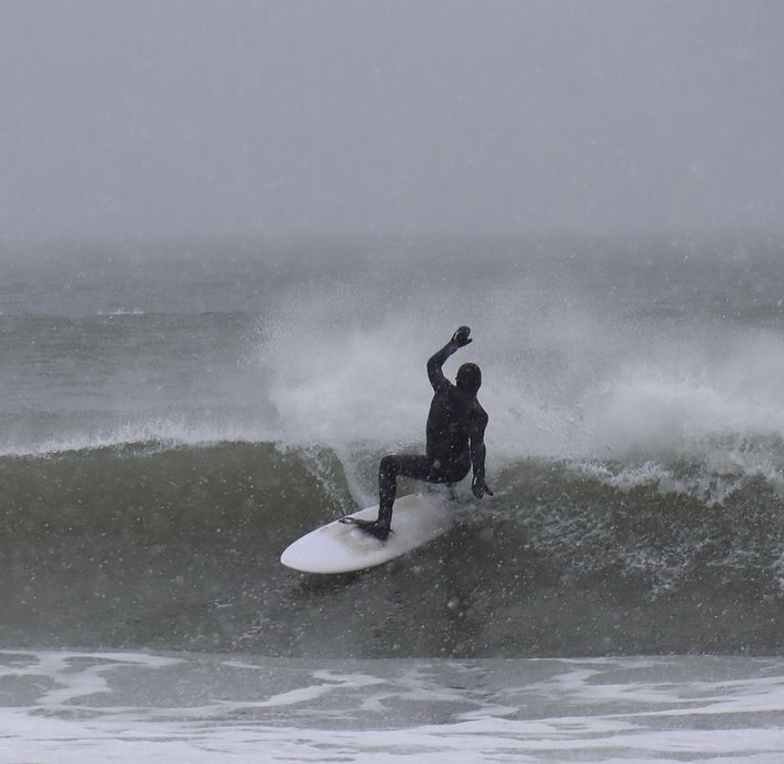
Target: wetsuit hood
<point>469,378</point>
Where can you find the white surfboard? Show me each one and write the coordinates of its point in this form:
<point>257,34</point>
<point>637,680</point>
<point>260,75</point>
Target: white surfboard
<point>342,548</point>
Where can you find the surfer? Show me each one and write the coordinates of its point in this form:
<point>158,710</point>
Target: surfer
<point>455,437</point>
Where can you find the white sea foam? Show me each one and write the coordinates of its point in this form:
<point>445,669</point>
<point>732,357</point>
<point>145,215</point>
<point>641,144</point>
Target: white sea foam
<point>67,707</point>
<point>680,406</point>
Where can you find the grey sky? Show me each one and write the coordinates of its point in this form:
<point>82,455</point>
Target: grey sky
<point>166,117</point>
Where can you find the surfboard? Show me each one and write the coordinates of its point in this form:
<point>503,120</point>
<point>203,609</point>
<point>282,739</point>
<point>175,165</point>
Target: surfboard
<point>342,548</point>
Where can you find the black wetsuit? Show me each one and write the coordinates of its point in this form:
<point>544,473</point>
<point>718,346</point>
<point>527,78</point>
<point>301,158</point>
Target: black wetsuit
<point>455,440</point>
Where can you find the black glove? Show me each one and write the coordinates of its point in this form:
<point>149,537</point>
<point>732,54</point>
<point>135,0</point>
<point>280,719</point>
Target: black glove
<point>460,337</point>
<point>480,488</point>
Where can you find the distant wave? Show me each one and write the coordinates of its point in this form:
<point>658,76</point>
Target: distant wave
<point>122,312</point>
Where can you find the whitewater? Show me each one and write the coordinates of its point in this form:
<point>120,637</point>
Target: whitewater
<point>173,414</point>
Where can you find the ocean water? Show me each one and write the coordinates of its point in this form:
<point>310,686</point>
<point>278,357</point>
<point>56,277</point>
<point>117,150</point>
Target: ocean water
<point>172,415</point>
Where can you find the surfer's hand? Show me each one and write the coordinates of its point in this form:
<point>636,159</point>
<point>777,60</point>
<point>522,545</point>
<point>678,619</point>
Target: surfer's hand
<point>480,488</point>
<point>460,337</point>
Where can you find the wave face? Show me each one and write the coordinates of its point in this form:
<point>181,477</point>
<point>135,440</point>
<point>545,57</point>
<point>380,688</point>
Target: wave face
<point>170,420</point>
<point>140,546</point>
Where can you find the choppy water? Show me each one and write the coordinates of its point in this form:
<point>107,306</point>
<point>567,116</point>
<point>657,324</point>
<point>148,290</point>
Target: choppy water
<point>171,417</point>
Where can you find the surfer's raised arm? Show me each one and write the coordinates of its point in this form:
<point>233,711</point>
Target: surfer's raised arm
<point>436,376</point>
